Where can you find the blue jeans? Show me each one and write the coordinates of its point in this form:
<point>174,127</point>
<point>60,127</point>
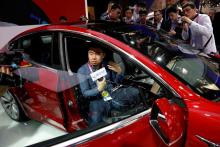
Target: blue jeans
<point>122,98</point>
<point>125,97</point>
<point>98,109</point>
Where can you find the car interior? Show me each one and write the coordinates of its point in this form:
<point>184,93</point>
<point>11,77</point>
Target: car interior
<point>148,89</point>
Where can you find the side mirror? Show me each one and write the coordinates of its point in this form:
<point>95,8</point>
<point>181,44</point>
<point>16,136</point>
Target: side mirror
<point>168,119</point>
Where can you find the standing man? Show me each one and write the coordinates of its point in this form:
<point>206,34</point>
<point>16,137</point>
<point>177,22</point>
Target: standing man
<point>198,29</point>
<point>159,22</point>
<point>142,17</point>
<point>176,23</point>
<point>110,3</point>
<point>169,3</point>
<point>128,19</point>
<point>136,12</point>
<point>114,14</point>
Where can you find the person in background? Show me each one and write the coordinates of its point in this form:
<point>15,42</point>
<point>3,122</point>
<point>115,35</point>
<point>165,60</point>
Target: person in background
<point>63,19</point>
<point>103,16</point>
<point>128,19</point>
<point>169,3</point>
<point>142,16</point>
<point>159,22</point>
<point>136,12</point>
<point>176,23</point>
<point>137,8</point>
<point>198,29</point>
<point>114,14</point>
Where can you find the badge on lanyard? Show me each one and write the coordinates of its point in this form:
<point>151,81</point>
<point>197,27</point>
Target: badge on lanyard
<point>106,96</point>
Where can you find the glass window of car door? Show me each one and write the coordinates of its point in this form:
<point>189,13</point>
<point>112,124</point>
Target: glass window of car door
<point>140,89</point>
<point>40,47</point>
<point>199,72</point>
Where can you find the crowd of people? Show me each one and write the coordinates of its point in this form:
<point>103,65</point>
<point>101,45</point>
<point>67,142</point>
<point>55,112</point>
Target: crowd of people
<point>181,19</point>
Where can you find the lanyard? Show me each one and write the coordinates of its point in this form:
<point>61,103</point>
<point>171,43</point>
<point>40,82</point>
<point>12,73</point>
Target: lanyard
<point>91,71</point>
<point>90,68</point>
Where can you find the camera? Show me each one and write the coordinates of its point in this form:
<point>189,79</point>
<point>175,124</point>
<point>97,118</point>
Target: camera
<point>10,58</point>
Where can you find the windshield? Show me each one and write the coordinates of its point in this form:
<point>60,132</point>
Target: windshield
<point>198,71</point>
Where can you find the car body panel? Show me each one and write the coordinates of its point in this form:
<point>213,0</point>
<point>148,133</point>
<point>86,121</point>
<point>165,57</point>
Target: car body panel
<point>205,128</point>
<point>137,133</point>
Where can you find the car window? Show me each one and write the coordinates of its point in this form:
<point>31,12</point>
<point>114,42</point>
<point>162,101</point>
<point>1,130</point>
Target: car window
<point>41,48</point>
<point>196,70</point>
<point>123,96</point>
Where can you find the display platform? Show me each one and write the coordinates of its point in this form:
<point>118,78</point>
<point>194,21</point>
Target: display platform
<point>14,134</point>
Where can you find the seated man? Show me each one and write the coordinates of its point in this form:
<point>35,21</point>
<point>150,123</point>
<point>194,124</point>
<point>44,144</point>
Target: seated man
<point>101,93</point>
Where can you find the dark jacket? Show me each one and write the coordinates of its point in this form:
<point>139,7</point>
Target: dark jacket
<point>88,87</point>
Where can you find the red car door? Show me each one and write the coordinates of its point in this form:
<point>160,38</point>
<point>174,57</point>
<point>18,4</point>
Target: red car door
<point>50,93</point>
<point>50,97</point>
<point>41,78</point>
<point>43,100</point>
<point>164,126</point>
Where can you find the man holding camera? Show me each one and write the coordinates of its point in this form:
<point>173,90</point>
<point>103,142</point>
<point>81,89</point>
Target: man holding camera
<point>198,29</point>
<point>104,92</point>
<point>176,22</point>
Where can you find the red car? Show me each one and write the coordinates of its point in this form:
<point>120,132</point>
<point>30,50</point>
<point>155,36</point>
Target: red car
<point>179,88</point>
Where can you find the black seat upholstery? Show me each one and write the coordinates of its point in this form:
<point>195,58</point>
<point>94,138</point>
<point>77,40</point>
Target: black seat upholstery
<point>39,51</point>
<point>82,102</point>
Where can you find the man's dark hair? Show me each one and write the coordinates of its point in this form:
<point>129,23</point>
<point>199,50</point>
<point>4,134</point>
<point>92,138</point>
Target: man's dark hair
<point>96,49</point>
<point>128,8</point>
<point>115,6</point>
<point>190,4</point>
<point>143,11</point>
<point>172,9</point>
<point>160,11</point>
<point>63,18</point>
<point>92,46</point>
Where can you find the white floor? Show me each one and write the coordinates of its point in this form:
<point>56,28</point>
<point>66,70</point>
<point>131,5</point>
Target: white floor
<point>14,134</point>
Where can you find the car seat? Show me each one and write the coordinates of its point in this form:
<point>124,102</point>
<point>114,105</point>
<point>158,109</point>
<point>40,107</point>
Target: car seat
<point>117,59</point>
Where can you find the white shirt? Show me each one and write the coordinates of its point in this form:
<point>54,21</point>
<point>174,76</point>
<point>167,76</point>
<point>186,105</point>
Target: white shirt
<point>135,16</point>
<point>158,24</point>
<point>128,21</point>
<point>201,30</point>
